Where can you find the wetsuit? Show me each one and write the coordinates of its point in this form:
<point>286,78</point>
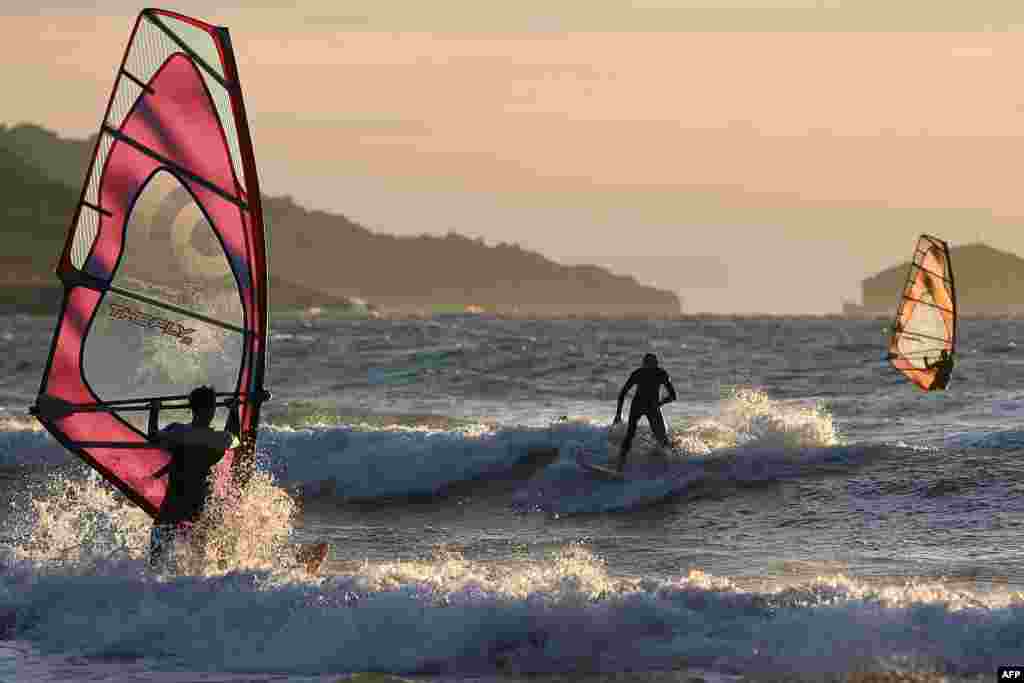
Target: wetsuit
<point>943,369</point>
<point>194,452</point>
<point>646,403</point>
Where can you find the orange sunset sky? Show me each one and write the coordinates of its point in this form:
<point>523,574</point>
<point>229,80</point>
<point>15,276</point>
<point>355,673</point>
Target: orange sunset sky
<point>751,155</point>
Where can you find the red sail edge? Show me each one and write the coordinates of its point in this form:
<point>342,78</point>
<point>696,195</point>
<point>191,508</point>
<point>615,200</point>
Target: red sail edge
<point>164,266</point>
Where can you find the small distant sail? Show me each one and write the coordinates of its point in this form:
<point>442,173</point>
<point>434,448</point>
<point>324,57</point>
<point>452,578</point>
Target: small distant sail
<point>164,268</point>
<point>923,340</point>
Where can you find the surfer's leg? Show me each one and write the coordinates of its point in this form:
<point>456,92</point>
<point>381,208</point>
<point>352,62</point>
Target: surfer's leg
<point>198,538</point>
<point>634,417</point>
<point>160,539</point>
<point>156,550</point>
<point>657,422</point>
<point>208,528</point>
<point>191,537</point>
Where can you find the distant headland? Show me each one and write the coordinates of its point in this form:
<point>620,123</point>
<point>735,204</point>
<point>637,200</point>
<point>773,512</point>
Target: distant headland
<point>319,261</point>
<point>988,282</point>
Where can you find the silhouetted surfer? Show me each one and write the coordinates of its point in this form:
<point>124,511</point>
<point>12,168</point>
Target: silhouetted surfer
<point>647,402</point>
<point>195,449</point>
<point>943,369</point>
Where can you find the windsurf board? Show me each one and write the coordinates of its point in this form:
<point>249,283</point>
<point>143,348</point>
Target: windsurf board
<point>602,471</point>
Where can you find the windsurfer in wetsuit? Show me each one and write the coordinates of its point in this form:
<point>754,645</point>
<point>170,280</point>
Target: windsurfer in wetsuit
<point>195,449</point>
<point>646,402</point>
<point>943,367</point>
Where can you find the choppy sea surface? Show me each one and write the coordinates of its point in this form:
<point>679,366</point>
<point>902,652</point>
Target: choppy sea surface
<point>818,516</point>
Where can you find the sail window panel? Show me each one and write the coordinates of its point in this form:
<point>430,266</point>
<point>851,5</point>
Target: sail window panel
<point>172,254</point>
<point>138,350</point>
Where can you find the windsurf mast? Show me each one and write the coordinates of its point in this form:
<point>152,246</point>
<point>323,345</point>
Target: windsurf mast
<point>164,267</point>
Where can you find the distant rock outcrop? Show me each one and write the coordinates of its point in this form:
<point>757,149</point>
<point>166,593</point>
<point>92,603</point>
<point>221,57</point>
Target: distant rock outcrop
<point>426,274</point>
<point>988,282</point>
<point>37,210</point>
<point>328,253</point>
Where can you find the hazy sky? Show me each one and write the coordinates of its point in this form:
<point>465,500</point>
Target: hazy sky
<point>751,155</point>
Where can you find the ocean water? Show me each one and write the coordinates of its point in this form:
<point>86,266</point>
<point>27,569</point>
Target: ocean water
<point>819,517</point>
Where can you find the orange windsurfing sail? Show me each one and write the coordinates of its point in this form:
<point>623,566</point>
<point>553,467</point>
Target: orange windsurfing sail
<point>923,341</point>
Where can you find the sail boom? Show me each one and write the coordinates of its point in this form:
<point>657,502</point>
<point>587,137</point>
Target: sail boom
<point>139,405</point>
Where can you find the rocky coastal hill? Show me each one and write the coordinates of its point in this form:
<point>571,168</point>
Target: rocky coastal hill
<point>989,282</point>
<point>318,252</point>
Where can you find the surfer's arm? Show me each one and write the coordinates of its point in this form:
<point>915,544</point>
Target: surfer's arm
<point>227,439</point>
<point>671,391</point>
<point>165,438</point>
<point>622,396</point>
<point>161,439</point>
<point>217,443</point>
<point>154,419</point>
<point>171,435</point>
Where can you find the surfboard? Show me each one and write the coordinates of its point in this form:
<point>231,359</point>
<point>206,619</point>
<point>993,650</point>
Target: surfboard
<point>311,556</point>
<point>602,471</point>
